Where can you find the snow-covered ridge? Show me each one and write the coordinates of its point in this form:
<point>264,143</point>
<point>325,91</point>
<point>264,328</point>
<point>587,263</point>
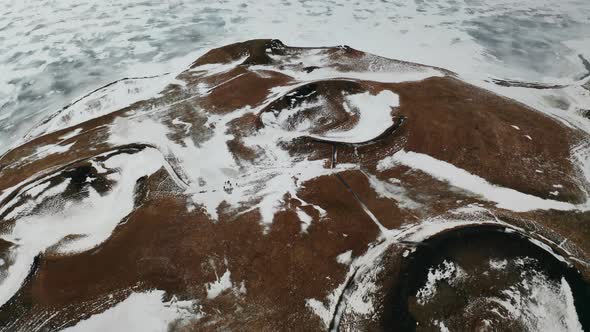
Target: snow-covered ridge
<point>92,218</point>
<point>110,98</point>
<point>505,198</point>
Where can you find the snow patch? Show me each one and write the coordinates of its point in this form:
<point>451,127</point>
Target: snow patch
<point>38,189</point>
<point>106,100</point>
<point>392,191</point>
<point>219,285</point>
<point>140,312</point>
<point>496,264</point>
<point>541,304</point>
<point>93,218</point>
<point>47,150</point>
<point>344,258</point>
<point>305,219</point>
<point>447,271</point>
<point>374,117</point>
<point>405,74</point>
<point>71,134</point>
<point>504,197</point>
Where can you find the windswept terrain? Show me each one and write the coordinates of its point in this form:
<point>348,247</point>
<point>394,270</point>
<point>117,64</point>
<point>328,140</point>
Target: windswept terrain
<point>276,188</point>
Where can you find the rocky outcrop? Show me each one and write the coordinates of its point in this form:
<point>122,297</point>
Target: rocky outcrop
<point>271,188</point>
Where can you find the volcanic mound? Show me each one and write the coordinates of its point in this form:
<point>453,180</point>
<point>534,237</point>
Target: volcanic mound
<point>276,188</point>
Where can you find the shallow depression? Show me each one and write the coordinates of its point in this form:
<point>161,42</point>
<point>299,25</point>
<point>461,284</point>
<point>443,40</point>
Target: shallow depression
<point>484,279</point>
